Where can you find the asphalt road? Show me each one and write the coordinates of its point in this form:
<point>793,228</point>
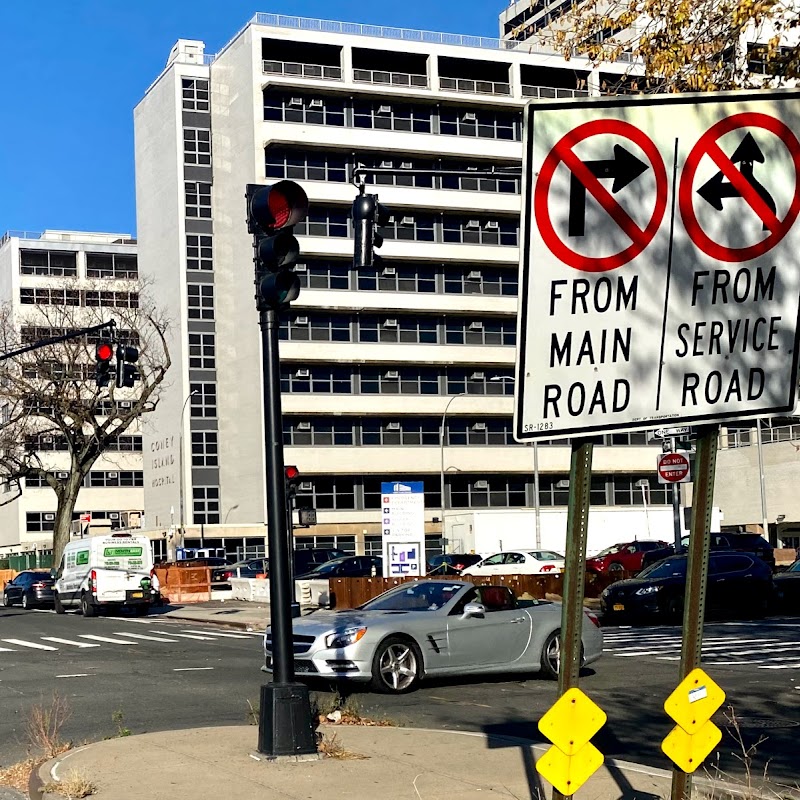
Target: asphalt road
<point>170,681</point>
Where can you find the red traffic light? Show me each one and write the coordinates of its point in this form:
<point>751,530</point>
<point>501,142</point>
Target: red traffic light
<point>104,352</point>
<point>278,206</point>
<point>291,473</point>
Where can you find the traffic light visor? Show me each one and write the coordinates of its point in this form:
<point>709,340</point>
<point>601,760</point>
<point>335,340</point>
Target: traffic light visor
<point>104,351</point>
<point>285,203</point>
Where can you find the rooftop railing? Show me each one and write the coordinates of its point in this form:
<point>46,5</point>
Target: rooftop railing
<point>295,68</point>
<point>20,235</point>
<point>473,86</point>
<point>390,78</point>
<point>549,92</point>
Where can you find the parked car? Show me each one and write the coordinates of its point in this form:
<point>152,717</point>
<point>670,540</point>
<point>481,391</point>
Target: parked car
<point>737,583</point>
<point>346,567</point>
<point>248,568</point>
<point>752,543</point>
<point>628,557</point>
<point>787,588</point>
<point>451,563</point>
<point>435,627</point>
<point>307,558</point>
<point>518,562</point>
<point>29,589</point>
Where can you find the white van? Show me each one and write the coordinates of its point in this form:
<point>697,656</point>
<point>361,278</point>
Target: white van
<point>106,571</point>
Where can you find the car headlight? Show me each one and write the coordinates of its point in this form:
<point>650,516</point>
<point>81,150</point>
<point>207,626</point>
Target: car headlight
<point>344,638</point>
<point>648,590</point>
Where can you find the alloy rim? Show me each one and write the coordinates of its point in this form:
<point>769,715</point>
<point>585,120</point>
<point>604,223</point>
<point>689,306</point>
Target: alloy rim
<point>553,654</point>
<point>398,667</point>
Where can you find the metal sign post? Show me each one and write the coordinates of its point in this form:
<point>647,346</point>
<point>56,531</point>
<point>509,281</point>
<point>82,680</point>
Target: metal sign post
<point>697,573</point>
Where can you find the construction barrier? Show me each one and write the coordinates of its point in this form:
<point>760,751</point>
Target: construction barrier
<point>184,585</point>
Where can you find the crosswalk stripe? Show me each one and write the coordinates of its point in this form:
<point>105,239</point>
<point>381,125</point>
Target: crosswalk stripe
<point>148,638</point>
<point>7,650</point>
<point>68,641</point>
<point>103,639</point>
<point>215,633</point>
<point>187,636</point>
<point>34,645</point>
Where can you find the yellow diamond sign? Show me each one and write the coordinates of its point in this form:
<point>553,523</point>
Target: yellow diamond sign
<point>569,773</point>
<point>572,721</point>
<point>694,702</point>
<point>689,750</point>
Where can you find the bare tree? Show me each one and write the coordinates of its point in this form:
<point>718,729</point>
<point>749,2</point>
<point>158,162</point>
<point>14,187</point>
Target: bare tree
<point>50,404</point>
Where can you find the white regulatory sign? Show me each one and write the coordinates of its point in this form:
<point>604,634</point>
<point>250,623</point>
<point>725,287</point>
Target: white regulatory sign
<point>660,266</point>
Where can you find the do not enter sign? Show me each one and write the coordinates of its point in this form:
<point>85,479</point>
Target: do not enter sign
<point>673,468</point>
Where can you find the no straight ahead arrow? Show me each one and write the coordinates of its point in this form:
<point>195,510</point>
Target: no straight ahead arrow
<point>624,168</point>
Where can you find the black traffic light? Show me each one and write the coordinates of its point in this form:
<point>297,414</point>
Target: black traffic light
<point>127,374</point>
<point>103,354</point>
<point>292,476</point>
<point>272,211</point>
<point>368,216</point>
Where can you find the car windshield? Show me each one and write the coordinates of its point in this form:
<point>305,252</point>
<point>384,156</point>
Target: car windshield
<point>328,566</point>
<point>795,567</point>
<point>609,551</point>
<point>665,569</point>
<point>417,596</point>
<point>546,555</point>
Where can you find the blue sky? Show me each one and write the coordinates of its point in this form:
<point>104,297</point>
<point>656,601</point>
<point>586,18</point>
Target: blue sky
<point>73,71</point>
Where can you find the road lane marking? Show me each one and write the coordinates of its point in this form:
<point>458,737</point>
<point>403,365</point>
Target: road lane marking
<point>34,645</point>
<point>68,641</point>
<point>75,675</point>
<point>186,636</point>
<point>7,650</point>
<point>142,636</point>
<point>794,665</point>
<point>103,639</point>
<point>190,669</point>
<point>214,633</point>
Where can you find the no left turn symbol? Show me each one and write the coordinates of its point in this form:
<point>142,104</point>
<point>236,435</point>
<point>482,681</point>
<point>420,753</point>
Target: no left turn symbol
<point>586,176</point>
<point>736,178</point>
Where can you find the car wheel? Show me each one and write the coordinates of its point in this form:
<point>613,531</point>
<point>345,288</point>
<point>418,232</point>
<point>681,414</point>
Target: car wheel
<point>87,609</point>
<point>675,610</point>
<point>551,656</point>
<point>396,666</point>
<point>4,601</point>
<point>26,601</point>
<point>57,604</point>
<point>615,568</point>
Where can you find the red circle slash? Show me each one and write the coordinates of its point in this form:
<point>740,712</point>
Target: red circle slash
<point>707,145</point>
<point>563,153</point>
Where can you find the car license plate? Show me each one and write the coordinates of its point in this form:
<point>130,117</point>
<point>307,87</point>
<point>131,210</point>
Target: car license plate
<point>619,607</point>
<point>137,594</point>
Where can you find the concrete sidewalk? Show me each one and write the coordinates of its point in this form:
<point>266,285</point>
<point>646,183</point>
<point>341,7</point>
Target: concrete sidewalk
<point>233,613</point>
<point>391,763</point>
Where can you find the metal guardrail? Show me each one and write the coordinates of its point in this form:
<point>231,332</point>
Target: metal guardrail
<point>296,68</point>
<point>20,235</point>
<point>391,78</point>
<point>551,93</point>
<point>473,86</point>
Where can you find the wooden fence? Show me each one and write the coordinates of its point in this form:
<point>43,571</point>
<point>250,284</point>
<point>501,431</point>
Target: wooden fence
<point>352,592</point>
<point>185,584</point>
<point>6,575</point>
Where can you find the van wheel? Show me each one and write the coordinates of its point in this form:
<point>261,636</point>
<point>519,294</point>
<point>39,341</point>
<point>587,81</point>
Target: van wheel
<point>141,611</point>
<point>57,604</point>
<point>87,609</point>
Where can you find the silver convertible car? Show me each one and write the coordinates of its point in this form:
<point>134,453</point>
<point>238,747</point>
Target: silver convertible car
<point>433,627</point>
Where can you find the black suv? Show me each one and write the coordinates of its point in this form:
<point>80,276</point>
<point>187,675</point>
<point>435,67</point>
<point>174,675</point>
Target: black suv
<point>752,543</point>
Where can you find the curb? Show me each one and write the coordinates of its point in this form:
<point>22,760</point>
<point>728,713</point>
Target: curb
<point>228,623</point>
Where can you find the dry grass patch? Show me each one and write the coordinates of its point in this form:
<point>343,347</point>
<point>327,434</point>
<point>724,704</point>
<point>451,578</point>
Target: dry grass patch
<point>17,775</point>
<point>43,727</point>
<point>338,710</point>
<point>74,785</point>
<point>331,747</point>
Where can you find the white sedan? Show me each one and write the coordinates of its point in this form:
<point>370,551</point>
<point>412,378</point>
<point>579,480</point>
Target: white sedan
<point>519,562</point>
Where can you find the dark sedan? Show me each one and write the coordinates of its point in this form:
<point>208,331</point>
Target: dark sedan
<point>29,589</point>
<point>787,589</point>
<point>451,563</point>
<point>346,567</point>
<point>752,543</point>
<point>737,583</point>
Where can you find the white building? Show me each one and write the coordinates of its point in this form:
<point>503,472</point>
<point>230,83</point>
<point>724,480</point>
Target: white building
<point>370,360</point>
<point>70,268</point>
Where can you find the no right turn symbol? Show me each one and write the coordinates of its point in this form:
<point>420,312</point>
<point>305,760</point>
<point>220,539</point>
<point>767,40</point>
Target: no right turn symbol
<point>733,194</point>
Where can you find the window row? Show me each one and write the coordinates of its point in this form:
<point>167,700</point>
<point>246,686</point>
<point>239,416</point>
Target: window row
<point>44,521</point>
<point>31,334</point>
<point>320,327</point>
<point>417,278</point>
<point>390,379</point>
<point>95,479</point>
<point>75,297</point>
<point>114,266</point>
<point>51,441</point>
<point>294,164</point>
<point>415,227</point>
<point>390,115</point>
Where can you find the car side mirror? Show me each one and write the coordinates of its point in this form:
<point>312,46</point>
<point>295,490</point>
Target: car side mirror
<point>476,610</point>
<point>54,573</point>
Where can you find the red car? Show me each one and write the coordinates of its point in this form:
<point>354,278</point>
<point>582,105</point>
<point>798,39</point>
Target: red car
<point>627,556</point>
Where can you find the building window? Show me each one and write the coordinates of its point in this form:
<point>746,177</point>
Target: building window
<point>372,489</point>
<point>112,299</point>
<point>414,330</point>
<point>197,147</point>
<point>205,505</point>
<point>489,432</point>
<point>105,478</point>
<point>405,380</point>
<point>410,228</point>
<point>402,431</point>
<point>113,266</point>
<point>202,351</point>
<point>199,252</point>
<point>341,542</point>
<point>479,381</point>
<point>481,280</point>
<point>304,327</point>
<point>479,231</point>
<point>48,262</point>
<point>492,491</point>
<point>50,297</point>
<point>297,107</point>
<point>464,183</point>
<point>318,431</point>
<point>316,379</point>
<point>39,521</point>
<point>205,451</point>
<point>385,115</point>
<point>637,438</point>
<point>323,275</point>
<point>386,278</point>
<point>200,300</point>
<point>323,222</point>
<point>412,179</point>
<point>627,493</point>
<point>481,332</point>
<point>305,165</point>
<point>126,444</point>
<point>195,94</point>
<point>204,399</point>
<point>198,199</point>
<point>328,493</point>
<point>483,124</point>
